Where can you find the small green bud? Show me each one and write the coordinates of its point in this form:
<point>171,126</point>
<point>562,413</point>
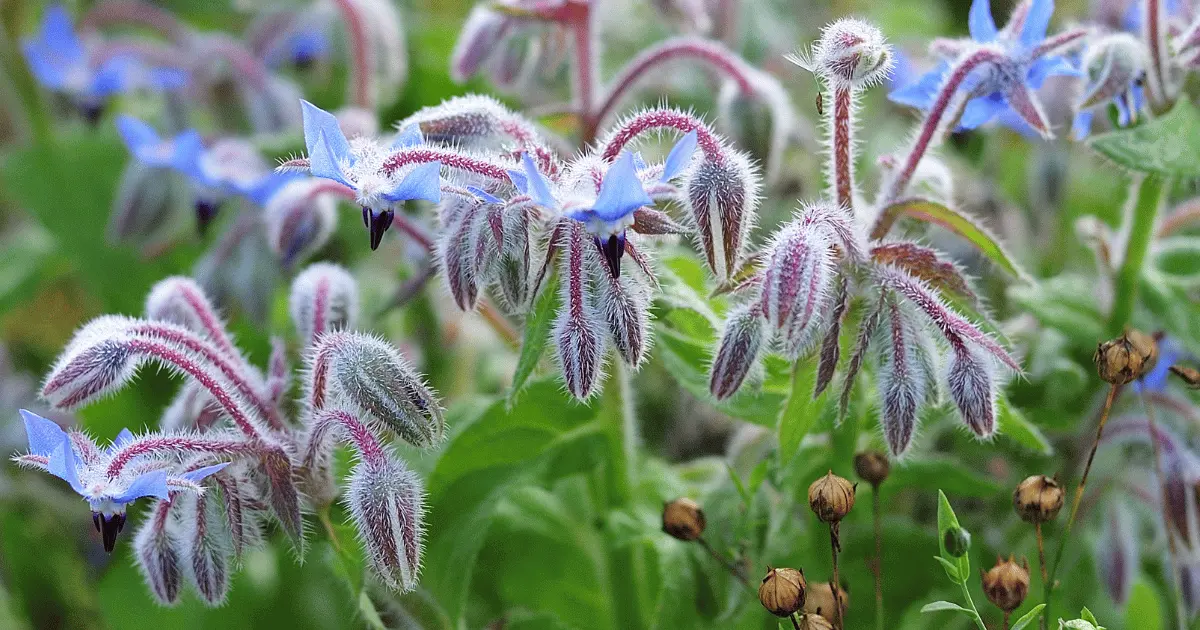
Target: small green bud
<point>957,541</point>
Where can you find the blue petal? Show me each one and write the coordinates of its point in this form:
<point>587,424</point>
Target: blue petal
<point>921,92</point>
<point>261,191</point>
<point>1050,67</point>
<point>198,475</point>
<point>44,435</point>
<point>536,186</point>
<point>112,77</point>
<point>151,484</point>
<point>136,134</point>
<point>168,79</point>
<point>484,195</point>
<point>423,182</point>
<point>64,464</point>
<point>680,156</point>
<point>980,22</point>
<point>409,136</point>
<point>327,145</point>
<point>621,191</point>
<point>43,65</point>
<point>123,438</point>
<point>185,151</point>
<point>1139,98</point>
<point>1081,127</point>
<point>58,35</point>
<point>981,110</point>
<point>1036,22</point>
<point>639,161</point>
<point>309,44</point>
<point>1124,116</point>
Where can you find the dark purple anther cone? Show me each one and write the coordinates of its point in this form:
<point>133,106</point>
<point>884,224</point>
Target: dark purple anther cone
<point>206,211</point>
<point>377,224</point>
<point>304,61</point>
<point>109,525</point>
<point>612,249</point>
<point>92,112</point>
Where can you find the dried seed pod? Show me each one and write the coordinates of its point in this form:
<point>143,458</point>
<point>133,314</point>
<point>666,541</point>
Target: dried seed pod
<point>1006,584</point>
<point>814,622</point>
<point>782,591</point>
<point>683,519</point>
<point>872,466</point>
<point>820,600</point>
<point>1038,499</point>
<point>1127,358</point>
<point>1190,375</point>
<point>831,498</point>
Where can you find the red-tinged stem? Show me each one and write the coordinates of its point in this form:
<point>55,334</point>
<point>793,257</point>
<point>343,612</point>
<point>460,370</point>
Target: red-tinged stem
<point>277,370</point>
<point>152,53</point>
<point>356,432</point>
<point>1058,43</point>
<point>1186,214</point>
<point>1156,41</point>
<point>167,444</point>
<point>933,120</point>
<point>587,60</point>
<point>843,167</point>
<point>135,13</point>
<point>656,119</point>
<point>321,302</point>
<point>501,326</point>
<point>360,54</point>
<point>212,325</point>
<point>448,159</point>
<point>711,54</point>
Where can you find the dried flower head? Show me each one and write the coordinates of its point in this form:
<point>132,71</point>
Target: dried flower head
<point>872,467</point>
<point>1007,583</point>
<point>683,519</point>
<point>831,498</point>
<point>782,591</point>
<point>813,622</point>
<point>1038,499</point>
<point>1127,358</point>
<point>820,600</point>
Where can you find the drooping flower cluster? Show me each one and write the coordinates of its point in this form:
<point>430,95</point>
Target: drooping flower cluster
<point>227,456</point>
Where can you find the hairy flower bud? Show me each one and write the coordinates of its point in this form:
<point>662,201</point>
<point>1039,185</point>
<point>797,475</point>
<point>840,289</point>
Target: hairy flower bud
<point>737,352</point>
<point>851,54</point>
<point>97,362</point>
<point>577,328</point>
<point>1117,557</point>
<point>903,377</point>
<point>972,388</point>
<point>324,298</point>
<point>797,284</point>
<point>683,519</point>
<point>206,545</point>
<point>480,35</point>
<point>1038,499</point>
<point>387,504</point>
<point>782,591</point>
<point>1112,63</point>
<point>1006,584</point>
<point>722,196</point>
<point>957,541</point>
<point>820,600</point>
<point>299,222</point>
<point>872,466</point>
<point>626,309</point>
<point>831,498</point>
<point>144,208</point>
<point>458,217</point>
<point>370,377</point>
<point>1127,358</point>
<point>157,552</point>
<point>180,300</point>
<point>357,122</point>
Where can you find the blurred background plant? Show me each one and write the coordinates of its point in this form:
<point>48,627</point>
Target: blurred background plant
<point>137,142</point>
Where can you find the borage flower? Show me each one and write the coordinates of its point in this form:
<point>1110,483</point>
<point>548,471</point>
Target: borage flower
<point>1116,73</point>
<point>108,478</point>
<point>1013,63</point>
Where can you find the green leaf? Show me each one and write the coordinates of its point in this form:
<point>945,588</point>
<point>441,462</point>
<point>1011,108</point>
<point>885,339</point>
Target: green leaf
<point>944,605</point>
<point>1087,616</point>
<point>1179,257</point>
<point>938,473</point>
<point>537,335</point>
<point>952,220</point>
<point>951,569</point>
<point>1028,617</point>
<point>947,520</point>
<point>1065,303</point>
<point>1168,145</point>
<point>1014,425</point>
<point>1144,608</point>
<point>801,412</point>
<point>687,359</point>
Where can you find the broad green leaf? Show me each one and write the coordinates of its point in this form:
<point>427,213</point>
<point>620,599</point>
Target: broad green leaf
<point>801,412</point>
<point>952,220</point>
<point>1014,425</point>
<point>687,361</point>
<point>1179,257</point>
<point>537,335</point>
<point>951,569</point>
<point>946,521</point>
<point>939,606</point>
<point>936,473</point>
<point>1168,145</point>
<point>1087,616</point>
<point>1028,617</point>
<point>1143,610</point>
<point>1065,303</point>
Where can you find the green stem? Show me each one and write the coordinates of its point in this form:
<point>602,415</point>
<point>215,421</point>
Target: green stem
<point>971,604</point>
<point>349,568</point>
<point>1149,194</point>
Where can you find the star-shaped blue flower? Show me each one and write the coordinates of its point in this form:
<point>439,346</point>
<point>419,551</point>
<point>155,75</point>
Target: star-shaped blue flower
<point>1003,94</point>
<point>51,449</point>
<point>360,167</point>
<point>178,153</point>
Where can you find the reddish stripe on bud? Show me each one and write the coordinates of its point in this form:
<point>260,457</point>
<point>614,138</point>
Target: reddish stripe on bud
<point>324,298</point>
<point>830,347</point>
<point>236,501</point>
<point>866,330</point>
<point>626,310</point>
<point>577,331</point>
<point>737,352</point>
<point>156,551</point>
<point>721,197</point>
<point>924,264</point>
<point>797,283</point>
<point>901,382</point>
<point>208,550</point>
<point>179,300</point>
<point>456,254</point>
<point>282,495</point>
<point>387,504</point>
<point>972,389</point>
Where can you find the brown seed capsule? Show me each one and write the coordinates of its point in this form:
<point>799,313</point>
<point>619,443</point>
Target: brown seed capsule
<point>820,600</point>
<point>1038,499</point>
<point>872,467</point>
<point>814,622</point>
<point>683,519</point>
<point>831,498</point>
<point>1190,375</point>
<point>1007,583</point>
<point>782,591</point>
<point>1127,358</point>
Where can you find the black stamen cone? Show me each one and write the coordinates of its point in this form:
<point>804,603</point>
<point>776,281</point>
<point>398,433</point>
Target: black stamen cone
<point>612,249</point>
<point>96,520</point>
<point>378,224</point>
<point>304,61</point>
<point>92,112</point>
<point>206,211</point>
<point>110,525</point>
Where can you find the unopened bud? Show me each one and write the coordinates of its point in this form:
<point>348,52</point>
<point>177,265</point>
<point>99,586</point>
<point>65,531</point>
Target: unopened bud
<point>480,35</point>
<point>324,298</point>
<point>357,122</point>
<point>208,548</point>
<point>797,284</point>
<point>872,467</point>
<point>370,377</point>
<point>972,389</point>
<point>850,53</point>
<point>180,300</point>
<point>626,309</point>
<point>957,541</point>
<point>455,252</point>
<point>144,208</point>
<point>1038,499</point>
<point>298,223</point>
<point>577,327</point>
<point>1006,584</point>
<point>782,591</point>
<point>831,498</point>
<point>820,601</point>
<point>902,380</point>
<point>97,362</point>
<point>722,197</point>
<point>683,519</point>
<point>387,505</point>
<point>1127,358</point>
<point>1112,63</point>
<point>156,551</point>
<point>737,352</point>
